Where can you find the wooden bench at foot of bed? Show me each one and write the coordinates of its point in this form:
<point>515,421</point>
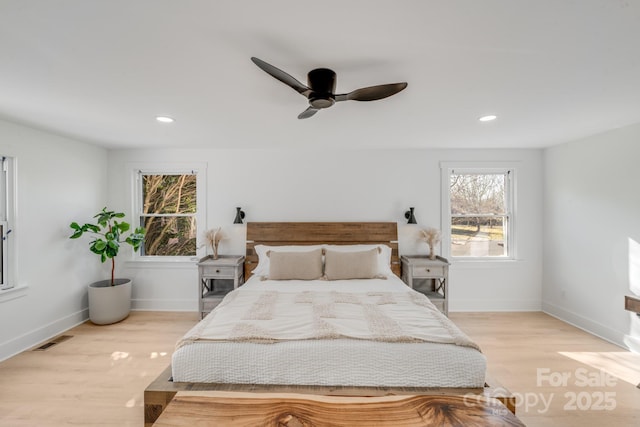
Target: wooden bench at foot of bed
<point>225,408</point>
<point>162,391</point>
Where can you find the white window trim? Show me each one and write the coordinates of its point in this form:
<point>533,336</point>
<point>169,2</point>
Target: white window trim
<point>10,204</point>
<point>482,167</point>
<point>13,293</point>
<point>200,169</point>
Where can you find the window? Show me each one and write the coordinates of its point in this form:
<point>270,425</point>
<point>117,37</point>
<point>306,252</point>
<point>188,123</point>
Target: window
<point>478,210</point>
<point>169,207</point>
<point>7,191</point>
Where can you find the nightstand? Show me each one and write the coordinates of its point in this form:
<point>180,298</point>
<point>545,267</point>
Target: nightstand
<point>216,278</point>
<point>428,276</point>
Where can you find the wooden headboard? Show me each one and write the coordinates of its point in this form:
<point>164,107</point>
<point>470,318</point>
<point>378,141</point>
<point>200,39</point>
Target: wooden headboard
<point>314,233</point>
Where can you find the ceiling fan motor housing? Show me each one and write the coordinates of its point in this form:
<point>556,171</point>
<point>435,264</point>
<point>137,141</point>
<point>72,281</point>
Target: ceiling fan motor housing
<point>322,82</point>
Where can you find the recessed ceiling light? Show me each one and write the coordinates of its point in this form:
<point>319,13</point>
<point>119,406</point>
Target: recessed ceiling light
<point>165,119</point>
<point>488,118</point>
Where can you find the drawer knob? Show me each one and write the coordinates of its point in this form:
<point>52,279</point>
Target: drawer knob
<point>217,271</point>
<point>428,270</point>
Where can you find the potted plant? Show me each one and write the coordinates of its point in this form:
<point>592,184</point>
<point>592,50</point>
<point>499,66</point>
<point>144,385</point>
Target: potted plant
<point>109,300</point>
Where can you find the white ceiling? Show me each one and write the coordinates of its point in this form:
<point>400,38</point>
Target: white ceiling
<point>101,70</point>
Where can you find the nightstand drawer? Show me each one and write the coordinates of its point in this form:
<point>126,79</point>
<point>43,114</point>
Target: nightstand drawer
<point>422,271</point>
<point>218,272</point>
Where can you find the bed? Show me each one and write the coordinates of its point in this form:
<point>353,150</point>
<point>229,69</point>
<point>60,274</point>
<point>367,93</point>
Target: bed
<point>326,296</point>
<point>358,332</point>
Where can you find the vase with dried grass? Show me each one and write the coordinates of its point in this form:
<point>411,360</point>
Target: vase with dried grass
<point>431,236</point>
<point>213,238</point>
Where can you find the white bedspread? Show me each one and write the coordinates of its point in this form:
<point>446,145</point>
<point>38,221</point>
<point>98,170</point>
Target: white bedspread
<point>371,309</point>
<point>283,340</point>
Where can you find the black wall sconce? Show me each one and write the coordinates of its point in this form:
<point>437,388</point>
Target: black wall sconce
<point>239,216</point>
<point>409,215</point>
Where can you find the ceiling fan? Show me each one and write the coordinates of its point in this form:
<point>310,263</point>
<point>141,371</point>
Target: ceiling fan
<point>322,85</point>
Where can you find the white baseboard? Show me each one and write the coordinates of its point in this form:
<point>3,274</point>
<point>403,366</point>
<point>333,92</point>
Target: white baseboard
<point>30,339</point>
<point>164,305</point>
<point>587,325</point>
<point>494,305</point>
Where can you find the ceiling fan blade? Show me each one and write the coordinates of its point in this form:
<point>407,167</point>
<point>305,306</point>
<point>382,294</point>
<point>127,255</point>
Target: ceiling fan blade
<point>282,76</point>
<point>372,93</point>
<point>307,113</point>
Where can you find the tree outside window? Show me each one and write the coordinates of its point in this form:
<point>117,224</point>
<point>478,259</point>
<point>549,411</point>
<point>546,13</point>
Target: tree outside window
<point>480,212</point>
<point>169,211</point>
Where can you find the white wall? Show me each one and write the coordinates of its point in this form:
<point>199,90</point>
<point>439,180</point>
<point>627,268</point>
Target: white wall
<point>588,202</point>
<point>59,181</point>
<point>341,185</point>
<point>592,219</point>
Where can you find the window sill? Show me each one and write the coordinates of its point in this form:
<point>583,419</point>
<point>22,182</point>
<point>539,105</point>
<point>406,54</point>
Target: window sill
<point>484,263</point>
<point>163,263</point>
<point>13,293</point>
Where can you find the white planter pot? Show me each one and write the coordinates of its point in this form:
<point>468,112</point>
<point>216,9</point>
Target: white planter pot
<point>109,304</point>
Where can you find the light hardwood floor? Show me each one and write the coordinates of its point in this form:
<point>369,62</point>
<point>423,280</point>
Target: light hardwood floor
<point>97,377</point>
<point>542,359</point>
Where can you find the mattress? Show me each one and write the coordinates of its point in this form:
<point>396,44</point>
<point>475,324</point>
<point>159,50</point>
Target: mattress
<point>204,357</point>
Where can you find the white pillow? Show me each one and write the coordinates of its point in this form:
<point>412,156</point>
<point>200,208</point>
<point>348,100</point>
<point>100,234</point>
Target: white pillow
<point>262,269</point>
<point>384,257</point>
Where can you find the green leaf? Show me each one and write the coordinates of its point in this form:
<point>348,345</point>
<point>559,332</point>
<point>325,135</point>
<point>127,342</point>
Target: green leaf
<point>104,216</point>
<point>111,252</point>
<point>123,226</point>
<point>135,240</point>
<point>99,244</point>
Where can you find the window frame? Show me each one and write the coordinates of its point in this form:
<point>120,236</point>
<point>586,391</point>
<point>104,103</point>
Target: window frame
<point>8,191</point>
<point>507,168</point>
<point>197,169</point>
